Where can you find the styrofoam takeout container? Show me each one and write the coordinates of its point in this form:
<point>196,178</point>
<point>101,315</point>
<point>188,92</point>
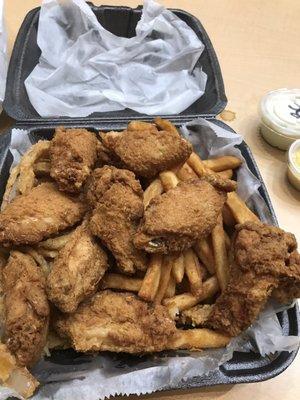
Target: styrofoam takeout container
<point>243,367</point>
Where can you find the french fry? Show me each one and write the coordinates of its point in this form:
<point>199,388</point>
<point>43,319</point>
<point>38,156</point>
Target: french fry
<point>205,254</point>
<point>178,268</point>
<point>165,125</point>
<point>48,253</point>
<point>165,275</point>
<point>39,259</point>
<point>27,176</point>
<point>184,301</point>
<point>195,162</point>
<point>10,186</point>
<point>140,125</point>
<point>227,173</point>
<point>220,254</point>
<point>186,172</point>
<point>222,163</point>
<point>154,189</point>
<point>240,211</point>
<point>227,240</point>
<point>171,289</point>
<point>41,168</point>
<point>168,179</point>
<point>227,216</point>
<point>151,280</point>
<point>193,272</point>
<point>121,282</point>
<point>198,339</point>
<point>55,243</point>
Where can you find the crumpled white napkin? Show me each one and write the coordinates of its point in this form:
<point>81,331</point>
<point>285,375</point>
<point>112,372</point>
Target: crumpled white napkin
<point>3,61</point>
<point>85,69</point>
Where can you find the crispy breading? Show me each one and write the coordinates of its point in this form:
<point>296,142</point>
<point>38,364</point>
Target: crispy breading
<point>260,262</point>
<point>42,212</point>
<point>117,322</point>
<point>176,219</point>
<point>149,151</point>
<point>102,179</point>
<point>26,308</point>
<point>289,289</point>
<point>76,271</point>
<point>119,209</point>
<point>73,153</point>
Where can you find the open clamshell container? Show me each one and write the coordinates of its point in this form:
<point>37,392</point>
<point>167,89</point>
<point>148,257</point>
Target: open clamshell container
<point>243,367</point>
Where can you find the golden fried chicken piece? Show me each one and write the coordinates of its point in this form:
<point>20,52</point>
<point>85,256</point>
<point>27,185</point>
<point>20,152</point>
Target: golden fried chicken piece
<point>26,308</point>
<point>289,288</point>
<point>76,271</point>
<point>119,208</point>
<point>261,261</point>
<point>117,322</point>
<point>176,219</point>
<point>147,152</point>
<point>73,153</point>
<point>42,212</point>
<point>102,180</point>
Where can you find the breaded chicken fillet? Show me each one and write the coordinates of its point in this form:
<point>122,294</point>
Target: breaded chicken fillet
<point>26,308</point>
<point>73,153</point>
<point>118,200</point>
<point>42,212</point>
<point>76,270</point>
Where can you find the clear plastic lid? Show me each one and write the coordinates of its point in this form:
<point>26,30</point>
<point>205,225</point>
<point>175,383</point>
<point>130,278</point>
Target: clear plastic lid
<point>280,109</point>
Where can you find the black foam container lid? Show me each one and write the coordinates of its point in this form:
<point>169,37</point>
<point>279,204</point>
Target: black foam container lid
<point>122,22</point>
<point>243,367</point>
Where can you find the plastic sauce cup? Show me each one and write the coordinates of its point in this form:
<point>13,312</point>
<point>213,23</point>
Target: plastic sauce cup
<point>293,171</point>
<point>280,117</point>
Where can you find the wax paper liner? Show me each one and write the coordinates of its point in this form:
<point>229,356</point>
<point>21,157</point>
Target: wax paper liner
<point>84,377</point>
<point>84,68</point>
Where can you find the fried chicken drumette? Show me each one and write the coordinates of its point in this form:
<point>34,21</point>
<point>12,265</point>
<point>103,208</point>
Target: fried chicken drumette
<point>26,308</point>
<point>42,212</point>
<point>176,219</point>
<point>263,259</point>
<point>76,271</point>
<point>147,151</point>
<point>118,200</point>
<point>73,153</point>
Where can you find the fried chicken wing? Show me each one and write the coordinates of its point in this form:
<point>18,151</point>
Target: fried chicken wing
<point>176,219</point>
<point>118,322</point>
<point>119,208</point>
<point>148,151</point>
<point>73,153</point>
<point>26,308</point>
<point>261,261</point>
<point>42,212</point>
<point>76,271</point>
